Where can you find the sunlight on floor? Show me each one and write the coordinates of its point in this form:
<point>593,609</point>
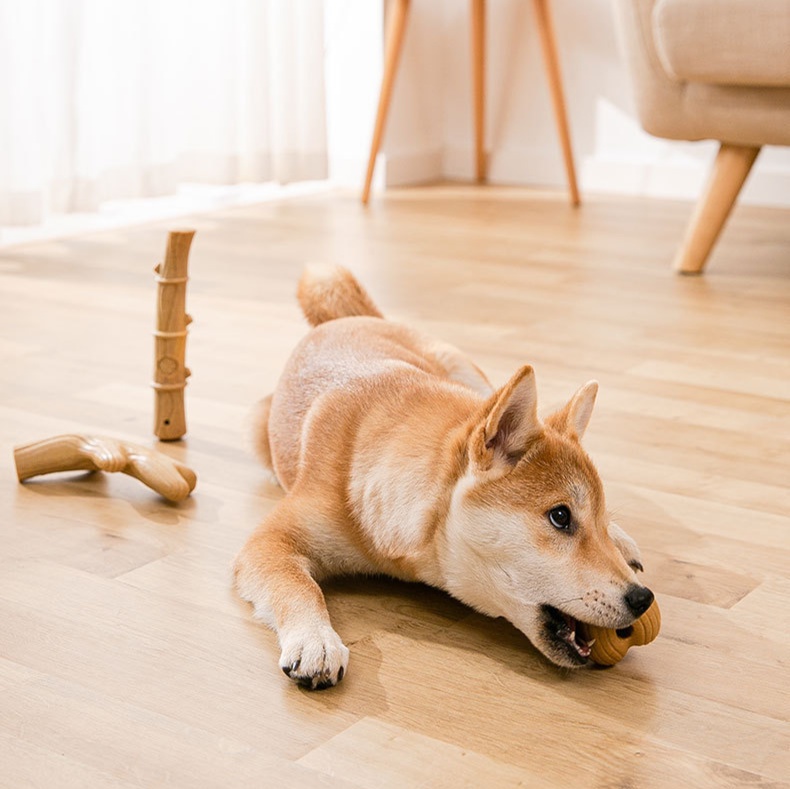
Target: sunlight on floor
<point>190,199</point>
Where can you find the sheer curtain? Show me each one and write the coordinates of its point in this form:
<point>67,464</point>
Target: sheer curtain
<point>109,99</point>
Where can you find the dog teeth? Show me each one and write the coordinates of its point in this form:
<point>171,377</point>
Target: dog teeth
<point>591,642</point>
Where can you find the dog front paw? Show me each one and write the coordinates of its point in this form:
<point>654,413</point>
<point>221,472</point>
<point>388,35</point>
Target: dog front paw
<point>315,659</point>
<point>627,546</point>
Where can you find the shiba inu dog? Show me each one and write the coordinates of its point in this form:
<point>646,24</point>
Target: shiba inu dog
<point>398,457</point>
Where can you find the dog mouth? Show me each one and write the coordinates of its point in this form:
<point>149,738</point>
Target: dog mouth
<point>567,634</point>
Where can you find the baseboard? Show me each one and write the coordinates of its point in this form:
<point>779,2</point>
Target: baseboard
<point>681,179</point>
<point>766,186</point>
<point>528,166</point>
<point>402,169</point>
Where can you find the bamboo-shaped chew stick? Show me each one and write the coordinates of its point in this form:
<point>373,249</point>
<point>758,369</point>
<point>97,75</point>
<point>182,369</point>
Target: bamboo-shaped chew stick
<point>170,374</point>
<point>166,476</point>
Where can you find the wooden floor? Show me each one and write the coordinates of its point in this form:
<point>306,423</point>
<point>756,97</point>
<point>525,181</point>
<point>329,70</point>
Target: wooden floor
<point>127,660</point>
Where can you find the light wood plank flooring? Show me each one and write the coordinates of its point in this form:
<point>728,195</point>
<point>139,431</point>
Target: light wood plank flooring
<point>127,660</point>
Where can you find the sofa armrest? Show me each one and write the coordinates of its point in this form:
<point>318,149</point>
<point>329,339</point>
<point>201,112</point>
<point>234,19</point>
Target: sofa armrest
<point>694,110</point>
<point>657,96</point>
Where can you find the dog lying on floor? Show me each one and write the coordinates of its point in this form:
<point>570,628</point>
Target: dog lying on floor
<point>399,458</point>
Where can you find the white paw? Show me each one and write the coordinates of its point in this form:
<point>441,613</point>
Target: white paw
<point>271,477</point>
<point>315,659</point>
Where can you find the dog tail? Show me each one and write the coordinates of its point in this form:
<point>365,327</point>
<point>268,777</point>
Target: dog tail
<point>328,292</point>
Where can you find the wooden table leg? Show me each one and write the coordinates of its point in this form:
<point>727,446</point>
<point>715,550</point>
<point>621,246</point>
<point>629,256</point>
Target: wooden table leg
<point>396,27</point>
<point>551,62</point>
<point>478,81</point>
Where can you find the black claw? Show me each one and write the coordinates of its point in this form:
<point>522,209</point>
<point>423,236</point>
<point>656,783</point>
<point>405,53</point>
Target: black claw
<point>289,671</point>
<point>317,682</point>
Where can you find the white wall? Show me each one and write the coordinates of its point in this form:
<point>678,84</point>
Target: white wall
<point>353,49</point>
<point>429,134</point>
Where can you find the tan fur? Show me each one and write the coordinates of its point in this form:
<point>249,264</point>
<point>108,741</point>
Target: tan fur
<point>329,292</point>
<point>260,430</point>
<point>399,458</point>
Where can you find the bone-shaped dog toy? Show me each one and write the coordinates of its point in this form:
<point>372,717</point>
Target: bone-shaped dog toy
<point>611,645</point>
<point>168,477</point>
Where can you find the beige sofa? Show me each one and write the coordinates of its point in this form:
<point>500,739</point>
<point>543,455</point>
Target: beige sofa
<point>711,69</point>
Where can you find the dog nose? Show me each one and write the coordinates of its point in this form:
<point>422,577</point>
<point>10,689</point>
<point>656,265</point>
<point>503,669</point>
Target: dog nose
<point>639,599</point>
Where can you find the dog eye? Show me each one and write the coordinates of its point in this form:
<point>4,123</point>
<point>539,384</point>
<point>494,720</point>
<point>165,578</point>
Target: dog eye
<point>560,517</point>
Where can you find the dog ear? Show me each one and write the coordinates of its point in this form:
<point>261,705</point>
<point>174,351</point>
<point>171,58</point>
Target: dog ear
<point>510,423</point>
<point>575,416</point>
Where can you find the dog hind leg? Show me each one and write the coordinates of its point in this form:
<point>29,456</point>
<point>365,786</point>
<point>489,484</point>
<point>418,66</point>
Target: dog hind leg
<point>260,435</point>
<point>276,576</point>
<point>460,368</point>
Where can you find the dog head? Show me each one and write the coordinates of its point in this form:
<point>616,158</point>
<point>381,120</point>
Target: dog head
<point>529,536</point>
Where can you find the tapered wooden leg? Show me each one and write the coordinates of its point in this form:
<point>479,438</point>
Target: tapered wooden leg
<point>478,81</point>
<point>732,166</point>
<point>396,27</point>
<point>551,62</point>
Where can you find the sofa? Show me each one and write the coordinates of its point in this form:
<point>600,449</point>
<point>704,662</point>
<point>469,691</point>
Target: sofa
<point>710,69</point>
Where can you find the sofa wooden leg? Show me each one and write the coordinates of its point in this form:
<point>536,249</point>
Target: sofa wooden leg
<point>732,166</point>
<point>396,27</point>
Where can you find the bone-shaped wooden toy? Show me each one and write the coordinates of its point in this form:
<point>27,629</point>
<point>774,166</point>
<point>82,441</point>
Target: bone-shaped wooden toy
<point>166,476</point>
<point>611,645</point>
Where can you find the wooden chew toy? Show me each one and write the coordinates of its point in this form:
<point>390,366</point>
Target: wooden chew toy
<point>611,645</point>
<point>166,476</point>
<point>170,374</point>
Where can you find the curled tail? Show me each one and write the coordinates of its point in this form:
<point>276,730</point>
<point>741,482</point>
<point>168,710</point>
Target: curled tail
<point>326,293</point>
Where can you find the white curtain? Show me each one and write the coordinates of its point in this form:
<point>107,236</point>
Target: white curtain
<point>109,99</point>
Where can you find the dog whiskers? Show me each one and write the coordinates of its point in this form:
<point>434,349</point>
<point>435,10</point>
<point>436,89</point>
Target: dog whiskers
<point>570,600</point>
